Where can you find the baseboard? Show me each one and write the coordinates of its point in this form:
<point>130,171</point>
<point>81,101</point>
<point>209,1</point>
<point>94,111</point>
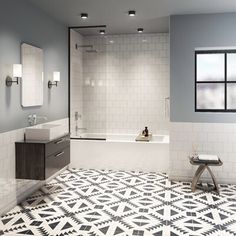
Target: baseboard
<point>203,179</point>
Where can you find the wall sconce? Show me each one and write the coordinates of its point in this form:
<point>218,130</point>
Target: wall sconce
<point>17,73</point>
<point>56,79</point>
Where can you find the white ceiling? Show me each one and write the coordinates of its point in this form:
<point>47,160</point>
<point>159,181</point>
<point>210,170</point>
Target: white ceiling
<point>152,15</point>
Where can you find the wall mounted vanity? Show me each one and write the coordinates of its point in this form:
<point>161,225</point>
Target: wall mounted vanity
<point>40,160</point>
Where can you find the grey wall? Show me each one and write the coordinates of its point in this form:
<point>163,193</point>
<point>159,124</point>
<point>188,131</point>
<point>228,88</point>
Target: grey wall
<point>22,22</point>
<point>188,32</point>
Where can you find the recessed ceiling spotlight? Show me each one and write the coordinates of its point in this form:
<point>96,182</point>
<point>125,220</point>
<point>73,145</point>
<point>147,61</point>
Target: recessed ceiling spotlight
<point>84,15</point>
<point>102,32</point>
<point>132,13</point>
<point>140,30</point>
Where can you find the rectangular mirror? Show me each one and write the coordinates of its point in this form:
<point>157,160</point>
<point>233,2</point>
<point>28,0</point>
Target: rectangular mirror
<point>32,76</point>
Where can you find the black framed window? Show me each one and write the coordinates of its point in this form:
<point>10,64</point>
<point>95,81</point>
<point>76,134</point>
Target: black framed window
<point>215,81</point>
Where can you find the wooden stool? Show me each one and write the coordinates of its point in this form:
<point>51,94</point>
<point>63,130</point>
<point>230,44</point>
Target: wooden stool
<point>202,166</point>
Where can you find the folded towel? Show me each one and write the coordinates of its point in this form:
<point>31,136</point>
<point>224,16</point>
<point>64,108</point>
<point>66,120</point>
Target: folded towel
<point>204,157</point>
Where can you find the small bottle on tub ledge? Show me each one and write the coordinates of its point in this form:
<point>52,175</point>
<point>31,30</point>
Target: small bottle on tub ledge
<point>145,132</point>
<point>144,136</point>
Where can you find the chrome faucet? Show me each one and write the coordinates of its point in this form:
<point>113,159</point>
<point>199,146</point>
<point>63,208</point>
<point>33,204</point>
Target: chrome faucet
<point>77,128</point>
<point>77,116</point>
<point>32,119</point>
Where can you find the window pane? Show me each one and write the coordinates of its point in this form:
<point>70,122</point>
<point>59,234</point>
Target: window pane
<point>231,66</point>
<point>210,96</point>
<point>210,67</point>
<point>231,96</point>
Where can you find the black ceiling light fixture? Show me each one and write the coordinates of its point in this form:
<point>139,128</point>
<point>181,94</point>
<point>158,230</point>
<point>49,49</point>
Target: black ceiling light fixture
<point>132,13</point>
<point>84,15</point>
<point>140,30</point>
<point>102,31</point>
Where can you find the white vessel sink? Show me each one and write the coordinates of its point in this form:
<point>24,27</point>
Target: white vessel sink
<point>44,132</point>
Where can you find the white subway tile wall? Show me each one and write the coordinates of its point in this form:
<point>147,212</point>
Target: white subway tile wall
<point>125,84</point>
<point>207,138</point>
<point>10,188</point>
<point>137,82</point>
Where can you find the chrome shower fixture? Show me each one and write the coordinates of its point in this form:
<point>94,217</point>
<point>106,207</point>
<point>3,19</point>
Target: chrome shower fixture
<point>77,116</point>
<point>83,46</point>
<point>89,50</point>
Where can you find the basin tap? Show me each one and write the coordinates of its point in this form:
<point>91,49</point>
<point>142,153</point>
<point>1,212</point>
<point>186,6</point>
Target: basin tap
<point>32,119</point>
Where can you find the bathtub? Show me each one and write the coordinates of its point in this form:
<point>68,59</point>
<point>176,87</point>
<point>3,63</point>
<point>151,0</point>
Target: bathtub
<point>120,152</point>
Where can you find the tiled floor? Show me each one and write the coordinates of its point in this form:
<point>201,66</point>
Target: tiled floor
<point>97,203</point>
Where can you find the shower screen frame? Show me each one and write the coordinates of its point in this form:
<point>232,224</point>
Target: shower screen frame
<point>69,72</point>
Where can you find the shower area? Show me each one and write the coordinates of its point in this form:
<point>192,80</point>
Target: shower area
<point>118,84</point>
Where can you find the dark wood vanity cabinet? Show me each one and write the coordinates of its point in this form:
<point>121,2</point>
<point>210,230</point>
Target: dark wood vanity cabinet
<point>39,160</point>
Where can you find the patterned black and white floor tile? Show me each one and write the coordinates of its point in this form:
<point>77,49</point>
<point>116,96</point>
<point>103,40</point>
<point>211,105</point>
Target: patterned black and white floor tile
<point>101,202</point>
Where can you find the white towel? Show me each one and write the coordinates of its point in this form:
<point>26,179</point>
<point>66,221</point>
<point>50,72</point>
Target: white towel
<point>204,157</point>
